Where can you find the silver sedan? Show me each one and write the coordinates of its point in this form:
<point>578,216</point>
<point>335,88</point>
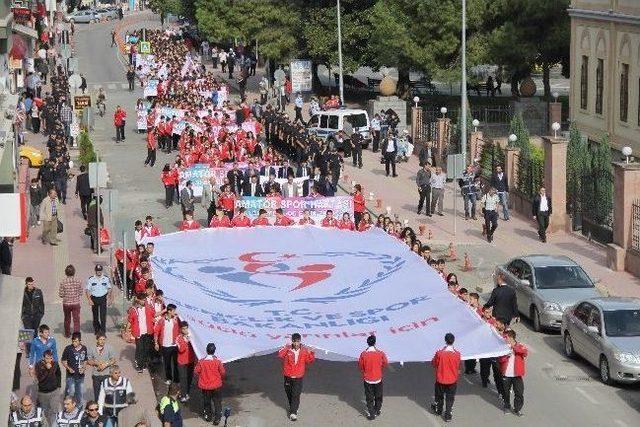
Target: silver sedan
<point>606,333</point>
<point>545,286</point>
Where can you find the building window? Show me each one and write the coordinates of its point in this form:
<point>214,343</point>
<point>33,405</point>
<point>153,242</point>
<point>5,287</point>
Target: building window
<point>584,83</point>
<point>599,85</point>
<point>624,93</point>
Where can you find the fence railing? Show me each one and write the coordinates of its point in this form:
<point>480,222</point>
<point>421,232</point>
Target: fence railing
<point>635,225</point>
<point>529,174</point>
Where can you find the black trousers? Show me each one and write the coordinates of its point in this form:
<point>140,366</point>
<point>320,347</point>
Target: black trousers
<point>486,365</point>
<point>186,378</point>
<point>425,198</point>
<point>168,195</point>
<point>119,133</point>
<point>491,222</point>
<point>518,392</point>
<point>99,311</point>
<point>97,381</point>
<point>32,322</point>
<point>357,156</point>
<point>298,115</point>
<point>293,389</point>
<point>470,366</point>
<point>376,141</point>
<point>175,139</point>
<point>390,160</point>
<point>151,157</point>
<point>211,212</point>
<point>543,224</point>
<point>84,204</point>
<point>131,82</point>
<point>170,359</point>
<point>143,350</point>
<point>445,394</point>
<point>357,217</point>
<point>216,397</point>
<point>373,396</point>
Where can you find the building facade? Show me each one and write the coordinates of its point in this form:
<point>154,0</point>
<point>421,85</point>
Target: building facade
<point>605,70</point>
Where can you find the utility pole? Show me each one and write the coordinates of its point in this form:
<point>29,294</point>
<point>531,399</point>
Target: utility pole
<point>341,82</point>
<point>463,137</point>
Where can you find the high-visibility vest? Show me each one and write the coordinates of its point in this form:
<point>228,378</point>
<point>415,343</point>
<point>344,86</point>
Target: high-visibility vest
<point>166,401</point>
<point>19,419</point>
<point>115,395</point>
<point>70,422</point>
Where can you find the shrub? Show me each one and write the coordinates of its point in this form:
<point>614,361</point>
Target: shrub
<point>86,152</point>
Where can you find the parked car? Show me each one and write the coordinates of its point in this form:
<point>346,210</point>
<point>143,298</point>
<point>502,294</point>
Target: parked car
<point>32,155</point>
<point>606,333</point>
<point>108,13</point>
<point>545,286</point>
<point>83,16</point>
<point>327,124</point>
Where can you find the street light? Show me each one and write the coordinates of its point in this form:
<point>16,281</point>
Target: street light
<point>512,139</point>
<point>416,100</point>
<point>627,151</point>
<point>341,79</point>
<point>475,124</point>
<point>555,96</point>
<point>556,127</point>
<point>463,130</point>
<point>443,110</point>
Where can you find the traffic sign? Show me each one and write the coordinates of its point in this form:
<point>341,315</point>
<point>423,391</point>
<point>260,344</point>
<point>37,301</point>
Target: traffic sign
<point>80,102</point>
<point>145,47</point>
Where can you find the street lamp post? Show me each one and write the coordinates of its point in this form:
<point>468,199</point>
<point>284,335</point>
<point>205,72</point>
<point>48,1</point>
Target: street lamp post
<point>341,81</point>
<point>463,139</point>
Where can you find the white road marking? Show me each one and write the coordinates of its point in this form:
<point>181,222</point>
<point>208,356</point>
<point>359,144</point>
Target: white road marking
<point>111,86</point>
<point>467,380</point>
<point>621,423</point>
<point>587,395</point>
<point>124,85</point>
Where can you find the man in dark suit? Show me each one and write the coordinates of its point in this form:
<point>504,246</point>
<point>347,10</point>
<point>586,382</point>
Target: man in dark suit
<point>271,183</point>
<point>303,170</point>
<point>499,182</point>
<point>389,152</point>
<point>504,302</point>
<point>235,179</point>
<point>541,211</point>
<point>285,170</point>
<point>267,170</point>
<point>307,185</point>
<point>83,190</point>
<point>253,187</point>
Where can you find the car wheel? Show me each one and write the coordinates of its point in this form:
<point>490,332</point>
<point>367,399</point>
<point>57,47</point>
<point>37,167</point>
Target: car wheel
<point>568,346</point>
<point>535,319</point>
<point>605,374</point>
<point>27,160</point>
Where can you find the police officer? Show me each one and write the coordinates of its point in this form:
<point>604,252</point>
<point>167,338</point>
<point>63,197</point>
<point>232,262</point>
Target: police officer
<point>71,415</point>
<point>468,192</point>
<point>98,292</point>
<point>27,415</point>
<point>356,149</point>
<point>115,394</point>
<point>169,407</point>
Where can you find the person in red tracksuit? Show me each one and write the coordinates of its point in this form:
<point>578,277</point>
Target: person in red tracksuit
<point>140,317</point>
<point>210,371</point>
<point>512,368</point>
<point>220,220</point>
<point>186,360</point>
<point>119,119</point>
<point>241,220</point>
<point>446,364</point>
<point>152,147</point>
<point>189,223</point>
<point>165,333</point>
<point>295,359</point>
<point>372,362</point>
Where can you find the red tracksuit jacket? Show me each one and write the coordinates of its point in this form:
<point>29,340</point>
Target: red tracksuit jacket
<point>158,330</point>
<point>446,363</point>
<point>132,316</point>
<point>289,366</point>
<point>519,352</point>
<point>210,371</point>
<point>186,355</point>
<point>371,364</point>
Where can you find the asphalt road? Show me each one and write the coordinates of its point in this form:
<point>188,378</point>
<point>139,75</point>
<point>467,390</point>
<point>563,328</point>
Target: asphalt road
<point>558,391</point>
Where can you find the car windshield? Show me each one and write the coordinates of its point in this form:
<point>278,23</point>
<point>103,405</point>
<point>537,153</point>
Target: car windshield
<point>622,323</point>
<point>561,277</point>
<point>357,120</point>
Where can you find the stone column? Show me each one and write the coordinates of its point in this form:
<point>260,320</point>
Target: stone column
<point>555,181</point>
<point>555,114</point>
<point>444,131</point>
<point>476,142</point>
<point>511,167</point>
<point>626,182</point>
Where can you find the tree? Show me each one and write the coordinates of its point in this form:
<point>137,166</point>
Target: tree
<point>602,182</point>
<point>577,169</point>
<point>166,7</point>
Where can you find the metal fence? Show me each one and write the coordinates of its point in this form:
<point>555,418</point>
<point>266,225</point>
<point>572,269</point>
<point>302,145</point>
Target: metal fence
<point>529,175</point>
<point>635,225</point>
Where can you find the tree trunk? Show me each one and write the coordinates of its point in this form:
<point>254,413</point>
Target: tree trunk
<point>546,72</point>
<point>403,80</point>
<point>316,84</point>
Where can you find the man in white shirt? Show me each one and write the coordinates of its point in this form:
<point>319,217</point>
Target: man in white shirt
<point>489,205</point>
<point>299,103</point>
<point>290,189</point>
<point>438,181</point>
<point>541,208</point>
<point>375,131</point>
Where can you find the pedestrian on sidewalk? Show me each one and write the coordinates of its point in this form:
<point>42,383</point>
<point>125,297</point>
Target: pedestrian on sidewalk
<point>28,414</point>
<point>186,360</point>
<point>101,357</point>
<point>116,394</point>
<point>489,203</point>
<point>423,180</point>
<point>49,216</point>
<point>371,363</point>
<point>375,133</point>
<point>61,177</point>
<point>99,293</point>
<point>469,194</point>
<point>70,290</point>
<point>222,57</point>
<point>295,359</point>
<point>356,141</point>
<point>131,77</point>
<point>446,364</point>
<point>541,209</point>
<point>169,407</point>
<point>165,333</point>
<point>36,195</point>
<point>32,305</point>
<point>113,38</point>
<point>66,116</point>
<point>74,360</point>
<point>48,376</point>
<point>6,255</point>
<point>93,212</point>
<point>299,103</point>
<point>152,148</point>
<point>119,120</point>
<point>35,118</point>
<point>438,181</point>
<point>92,418</point>
<point>513,369</point>
<point>43,342</point>
<point>83,83</point>
<point>389,152</point>
<point>211,372</point>
<point>500,183</point>
<point>83,190</point>
<point>141,318</point>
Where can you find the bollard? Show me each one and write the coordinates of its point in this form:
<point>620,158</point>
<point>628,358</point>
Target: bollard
<point>421,229</point>
<point>466,266</point>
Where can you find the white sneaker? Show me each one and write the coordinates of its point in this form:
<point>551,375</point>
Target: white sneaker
<point>167,382</point>
<point>293,417</point>
<point>184,399</point>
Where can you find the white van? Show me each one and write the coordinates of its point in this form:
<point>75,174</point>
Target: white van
<point>326,124</point>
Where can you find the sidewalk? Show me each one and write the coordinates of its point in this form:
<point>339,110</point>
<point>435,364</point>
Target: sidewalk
<point>46,264</point>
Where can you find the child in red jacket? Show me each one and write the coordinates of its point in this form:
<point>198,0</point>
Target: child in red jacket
<point>512,368</point>
<point>446,364</point>
<point>186,360</point>
<point>295,359</point>
<point>210,371</point>
<point>372,362</point>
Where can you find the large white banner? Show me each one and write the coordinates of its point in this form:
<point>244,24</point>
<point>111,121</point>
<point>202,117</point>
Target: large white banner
<point>248,289</point>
